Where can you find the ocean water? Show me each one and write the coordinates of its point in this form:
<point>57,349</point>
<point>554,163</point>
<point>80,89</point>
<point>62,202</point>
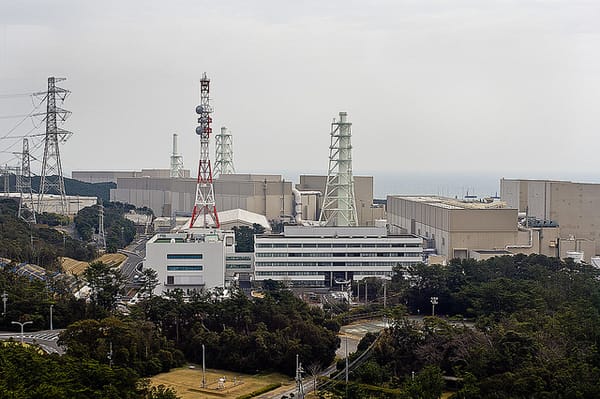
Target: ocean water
<point>448,185</point>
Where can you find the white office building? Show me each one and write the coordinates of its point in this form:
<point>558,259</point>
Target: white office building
<point>190,261</point>
<point>320,256</point>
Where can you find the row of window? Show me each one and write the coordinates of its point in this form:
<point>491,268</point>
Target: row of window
<point>287,273</point>
<point>183,256</point>
<point>336,254</point>
<point>184,268</point>
<point>312,273</point>
<point>388,264</point>
<point>238,266</point>
<point>238,257</point>
<point>338,245</point>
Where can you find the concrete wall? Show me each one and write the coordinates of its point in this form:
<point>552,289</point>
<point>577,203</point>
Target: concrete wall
<point>574,206</point>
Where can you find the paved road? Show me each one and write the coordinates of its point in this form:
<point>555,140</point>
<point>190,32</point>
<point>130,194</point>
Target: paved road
<point>136,252</point>
<point>46,339</point>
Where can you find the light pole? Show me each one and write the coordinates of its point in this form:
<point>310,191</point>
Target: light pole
<point>22,325</point>
<point>434,301</point>
<point>51,306</point>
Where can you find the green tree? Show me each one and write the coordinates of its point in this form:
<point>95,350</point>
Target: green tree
<point>105,283</point>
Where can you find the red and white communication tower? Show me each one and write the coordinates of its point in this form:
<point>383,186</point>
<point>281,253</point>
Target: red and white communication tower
<point>204,207</point>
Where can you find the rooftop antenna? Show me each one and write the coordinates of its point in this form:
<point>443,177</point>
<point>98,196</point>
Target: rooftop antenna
<point>204,206</point>
<point>176,160</point>
<point>224,153</point>
<point>339,206</point>
<point>52,181</point>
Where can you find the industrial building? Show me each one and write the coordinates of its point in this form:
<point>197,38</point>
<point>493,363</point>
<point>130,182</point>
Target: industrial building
<point>453,228</point>
<point>99,176</point>
<point>265,194</point>
<point>574,207</point>
<point>320,256</point>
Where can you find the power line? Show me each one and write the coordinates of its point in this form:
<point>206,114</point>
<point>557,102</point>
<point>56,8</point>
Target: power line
<point>15,95</point>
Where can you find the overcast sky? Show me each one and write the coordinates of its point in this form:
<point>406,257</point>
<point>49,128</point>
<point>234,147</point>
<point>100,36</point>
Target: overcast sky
<point>506,87</point>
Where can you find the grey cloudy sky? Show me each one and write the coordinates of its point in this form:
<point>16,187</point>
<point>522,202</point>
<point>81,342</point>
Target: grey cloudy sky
<point>509,87</point>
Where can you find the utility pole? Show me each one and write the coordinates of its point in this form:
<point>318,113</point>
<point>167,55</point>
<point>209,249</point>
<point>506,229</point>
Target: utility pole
<point>366,293</point>
<point>346,349</point>
<point>203,367</point>
<point>51,328</point>
<point>4,300</point>
<point>109,355</point>
<point>299,385</point>
<point>384,294</point>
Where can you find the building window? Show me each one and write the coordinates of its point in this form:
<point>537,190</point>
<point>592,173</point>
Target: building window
<point>184,256</point>
<point>170,280</point>
<point>443,241</point>
<point>184,268</point>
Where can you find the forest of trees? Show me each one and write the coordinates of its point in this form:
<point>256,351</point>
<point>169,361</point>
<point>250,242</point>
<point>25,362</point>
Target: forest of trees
<point>119,232</point>
<point>244,334</point>
<point>36,244</point>
<point>536,330</point>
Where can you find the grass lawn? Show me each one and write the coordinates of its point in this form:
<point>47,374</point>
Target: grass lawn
<point>188,382</point>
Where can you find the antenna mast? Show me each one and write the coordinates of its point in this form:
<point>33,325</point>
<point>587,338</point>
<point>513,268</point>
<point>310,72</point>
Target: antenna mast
<point>52,181</point>
<point>339,207</point>
<point>204,206</point>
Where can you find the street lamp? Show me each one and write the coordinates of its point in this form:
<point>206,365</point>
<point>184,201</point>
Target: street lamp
<point>51,306</point>
<point>434,301</point>
<point>22,325</point>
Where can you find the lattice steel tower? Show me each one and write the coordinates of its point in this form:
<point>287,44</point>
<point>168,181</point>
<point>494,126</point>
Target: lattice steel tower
<point>339,207</point>
<point>24,186</point>
<point>204,206</point>
<point>224,153</point>
<point>176,160</point>
<point>101,235</point>
<point>52,181</point>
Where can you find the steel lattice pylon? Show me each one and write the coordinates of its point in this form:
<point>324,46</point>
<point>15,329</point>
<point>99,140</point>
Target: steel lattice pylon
<point>339,207</point>
<point>101,235</point>
<point>204,206</point>
<point>52,181</point>
<point>224,153</point>
<point>24,186</point>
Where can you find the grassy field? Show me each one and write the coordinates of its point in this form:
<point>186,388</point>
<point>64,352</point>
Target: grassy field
<point>188,382</point>
<point>76,267</point>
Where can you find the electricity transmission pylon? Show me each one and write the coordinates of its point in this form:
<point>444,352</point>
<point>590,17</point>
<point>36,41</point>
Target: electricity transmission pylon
<point>24,186</point>
<point>101,234</point>
<point>52,181</point>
